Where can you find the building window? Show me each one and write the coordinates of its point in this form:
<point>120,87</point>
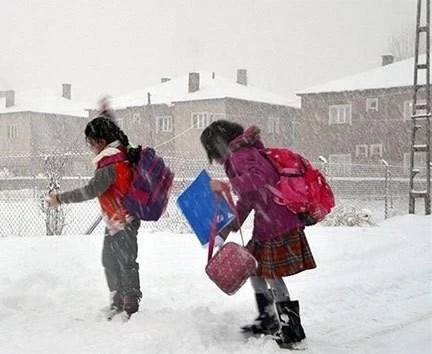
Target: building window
<point>376,150</point>
<point>371,104</point>
<point>201,120</point>
<point>340,114</point>
<point>11,132</point>
<point>408,109</point>
<point>361,150</point>
<point>136,118</point>
<point>164,124</point>
<point>340,164</point>
<point>273,125</point>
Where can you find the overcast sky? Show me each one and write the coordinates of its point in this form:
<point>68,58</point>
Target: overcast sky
<point>118,46</point>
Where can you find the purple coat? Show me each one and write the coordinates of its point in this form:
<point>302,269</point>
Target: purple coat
<point>249,172</point>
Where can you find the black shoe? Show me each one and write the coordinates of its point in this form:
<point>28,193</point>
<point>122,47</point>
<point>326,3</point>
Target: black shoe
<point>131,304</point>
<point>291,329</point>
<point>266,322</point>
<point>262,325</point>
<point>117,302</point>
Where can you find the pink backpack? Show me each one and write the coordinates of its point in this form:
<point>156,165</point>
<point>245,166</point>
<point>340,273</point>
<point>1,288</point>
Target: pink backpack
<point>301,188</point>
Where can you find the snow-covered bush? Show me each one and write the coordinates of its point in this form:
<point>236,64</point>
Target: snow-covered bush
<point>344,215</point>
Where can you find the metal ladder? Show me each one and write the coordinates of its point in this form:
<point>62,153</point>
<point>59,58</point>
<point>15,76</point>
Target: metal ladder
<point>421,114</point>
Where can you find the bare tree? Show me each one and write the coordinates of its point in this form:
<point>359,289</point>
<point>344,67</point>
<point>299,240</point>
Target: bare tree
<point>402,43</point>
<point>60,138</point>
<point>54,217</point>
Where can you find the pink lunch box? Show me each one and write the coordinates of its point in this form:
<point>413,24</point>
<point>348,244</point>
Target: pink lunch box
<point>231,267</point>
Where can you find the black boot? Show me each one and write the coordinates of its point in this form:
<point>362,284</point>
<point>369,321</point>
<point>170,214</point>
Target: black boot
<point>117,301</point>
<point>131,303</point>
<point>266,322</point>
<point>291,328</point>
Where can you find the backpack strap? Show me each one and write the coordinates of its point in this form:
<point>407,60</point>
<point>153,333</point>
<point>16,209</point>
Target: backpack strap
<point>213,229</point>
<point>291,172</point>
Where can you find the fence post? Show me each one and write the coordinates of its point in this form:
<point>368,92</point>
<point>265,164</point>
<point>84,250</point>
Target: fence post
<point>386,187</point>
<point>34,186</point>
<point>390,190</point>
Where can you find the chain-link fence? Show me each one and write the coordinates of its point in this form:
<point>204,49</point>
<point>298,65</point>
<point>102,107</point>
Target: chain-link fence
<point>383,189</point>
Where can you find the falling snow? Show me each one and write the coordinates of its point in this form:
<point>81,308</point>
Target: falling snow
<point>332,80</point>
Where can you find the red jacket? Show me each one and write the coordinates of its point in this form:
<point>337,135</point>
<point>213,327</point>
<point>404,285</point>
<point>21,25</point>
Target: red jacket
<point>111,200</point>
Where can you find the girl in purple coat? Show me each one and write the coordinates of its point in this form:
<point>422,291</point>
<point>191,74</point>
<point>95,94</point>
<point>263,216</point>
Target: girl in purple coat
<point>278,241</point>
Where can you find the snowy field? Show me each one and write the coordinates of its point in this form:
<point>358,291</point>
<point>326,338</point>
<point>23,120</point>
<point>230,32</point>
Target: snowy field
<point>371,293</point>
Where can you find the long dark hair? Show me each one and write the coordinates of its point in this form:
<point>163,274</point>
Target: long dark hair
<point>103,128</point>
<point>217,135</point>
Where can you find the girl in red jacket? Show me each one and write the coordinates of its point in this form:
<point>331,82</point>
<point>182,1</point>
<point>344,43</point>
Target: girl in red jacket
<point>109,184</point>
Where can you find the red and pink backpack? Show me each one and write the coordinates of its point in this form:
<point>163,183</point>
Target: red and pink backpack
<point>301,188</point>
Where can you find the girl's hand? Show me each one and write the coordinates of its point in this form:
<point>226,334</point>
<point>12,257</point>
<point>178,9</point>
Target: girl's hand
<point>225,232</point>
<point>219,241</point>
<point>52,200</point>
<point>218,186</point>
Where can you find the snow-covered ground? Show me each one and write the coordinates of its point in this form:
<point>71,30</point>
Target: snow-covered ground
<point>371,293</point>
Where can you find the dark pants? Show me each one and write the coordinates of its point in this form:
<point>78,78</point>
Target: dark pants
<point>119,256</point>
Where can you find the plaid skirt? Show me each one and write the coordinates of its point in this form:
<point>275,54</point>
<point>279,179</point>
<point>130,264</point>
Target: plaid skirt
<point>286,255</point>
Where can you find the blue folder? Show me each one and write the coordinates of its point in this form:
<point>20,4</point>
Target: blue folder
<point>198,205</point>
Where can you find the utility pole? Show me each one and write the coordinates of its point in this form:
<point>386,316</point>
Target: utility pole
<point>421,114</point>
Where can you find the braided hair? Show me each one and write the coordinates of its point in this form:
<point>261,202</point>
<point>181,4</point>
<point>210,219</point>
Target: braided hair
<point>103,128</point>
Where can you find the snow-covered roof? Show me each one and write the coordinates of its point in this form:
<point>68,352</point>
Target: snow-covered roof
<point>399,74</point>
<point>176,90</point>
<point>47,100</point>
